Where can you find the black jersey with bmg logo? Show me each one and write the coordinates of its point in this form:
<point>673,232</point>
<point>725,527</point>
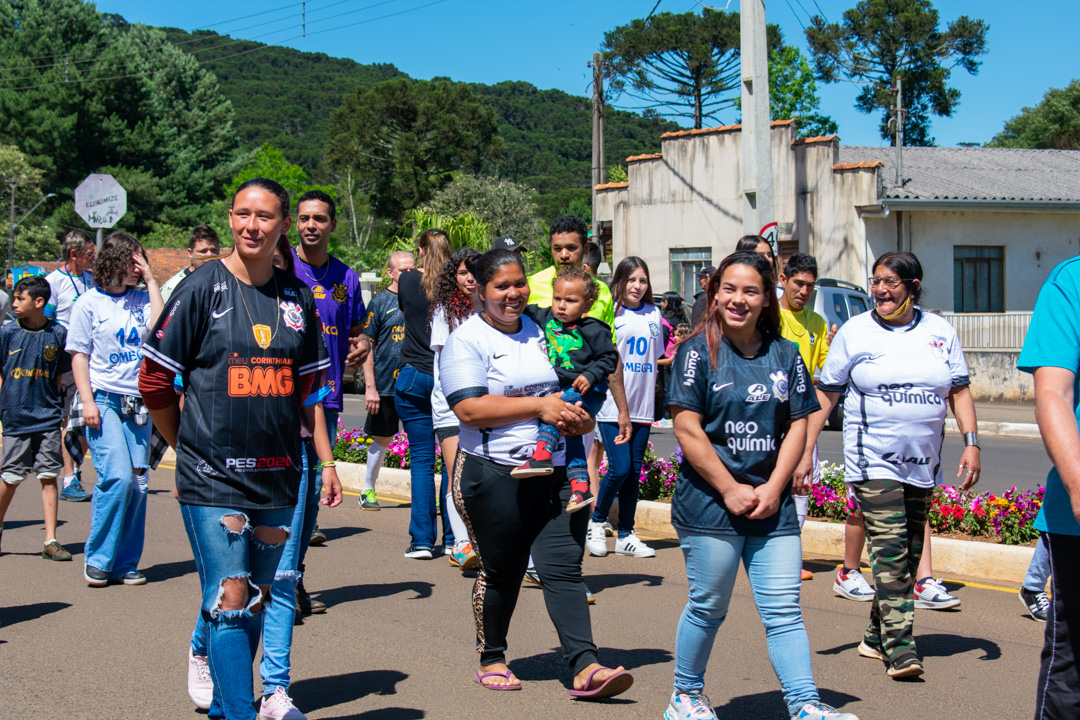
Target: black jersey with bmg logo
<point>239,440</point>
<point>746,405</point>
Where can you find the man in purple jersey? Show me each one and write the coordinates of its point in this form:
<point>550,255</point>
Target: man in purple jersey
<point>336,288</point>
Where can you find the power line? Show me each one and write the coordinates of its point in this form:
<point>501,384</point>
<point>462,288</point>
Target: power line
<point>381,17</point>
<point>653,10</point>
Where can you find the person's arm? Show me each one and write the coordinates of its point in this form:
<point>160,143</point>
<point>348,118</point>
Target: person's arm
<point>739,498</point>
<point>156,389</point>
<point>497,410</point>
<point>804,471</point>
<point>618,394</point>
<point>963,407</point>
<point>1056,416</point>
<point>152,289</point>
<point>324,449</point>
<point>80,368</point>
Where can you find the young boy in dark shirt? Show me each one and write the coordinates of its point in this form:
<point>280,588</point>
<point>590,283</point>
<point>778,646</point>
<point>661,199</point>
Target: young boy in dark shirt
<point>32,359</point>
<point>583,355</point>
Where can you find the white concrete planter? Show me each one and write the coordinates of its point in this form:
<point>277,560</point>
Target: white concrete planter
<point>821,540</point>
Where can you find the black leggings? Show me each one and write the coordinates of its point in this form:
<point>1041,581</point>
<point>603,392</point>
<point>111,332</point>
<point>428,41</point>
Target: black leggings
<point>507,518</point>
<point>1058,693</point>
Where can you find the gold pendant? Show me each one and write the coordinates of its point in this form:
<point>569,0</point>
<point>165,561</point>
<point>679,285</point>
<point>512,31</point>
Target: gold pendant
<point>262,335</point>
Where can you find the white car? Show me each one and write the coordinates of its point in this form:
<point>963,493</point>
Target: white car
<point>838,301</point>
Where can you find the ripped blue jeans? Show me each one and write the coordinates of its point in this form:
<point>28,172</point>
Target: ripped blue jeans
<point>234,544</point>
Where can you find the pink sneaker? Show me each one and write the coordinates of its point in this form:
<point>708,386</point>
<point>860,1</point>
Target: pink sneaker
<point>200,686</point>
<point>278,706</point>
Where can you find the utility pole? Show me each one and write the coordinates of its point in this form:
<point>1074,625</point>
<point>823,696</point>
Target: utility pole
<point>898,131</point>
<point>303,18</point>
<point>599,172</point>
<point>756,158</point>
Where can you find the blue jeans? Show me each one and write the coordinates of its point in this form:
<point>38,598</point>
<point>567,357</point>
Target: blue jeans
<point>1038,572</point>
<point>621,479</point>
<point>412,395</point>
<point>314,485</point>
<point>576,467</point>
<point>222,553</point>
<point>773,565</point>
<point>120,448</point>
<point>279,615</point>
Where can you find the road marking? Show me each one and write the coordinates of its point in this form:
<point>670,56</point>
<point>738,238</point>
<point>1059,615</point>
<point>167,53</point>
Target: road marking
<point>165,466</point>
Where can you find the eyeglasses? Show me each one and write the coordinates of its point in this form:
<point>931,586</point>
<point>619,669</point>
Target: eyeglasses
<point>91,254</point>
<point>890,283</point>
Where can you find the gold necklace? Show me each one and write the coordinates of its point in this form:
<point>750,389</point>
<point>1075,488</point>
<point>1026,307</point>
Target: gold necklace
<point>803,326</point>
<point>262,333</point>
<point>310,274</point>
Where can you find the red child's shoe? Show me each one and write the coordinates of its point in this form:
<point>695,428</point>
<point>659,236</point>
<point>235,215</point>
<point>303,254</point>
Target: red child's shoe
<point>579,501</point>
<point>533,468</point>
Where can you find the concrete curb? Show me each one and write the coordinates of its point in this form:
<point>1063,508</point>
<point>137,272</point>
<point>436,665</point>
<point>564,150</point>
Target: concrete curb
<point>1000,429</point>
<point>821,540</point>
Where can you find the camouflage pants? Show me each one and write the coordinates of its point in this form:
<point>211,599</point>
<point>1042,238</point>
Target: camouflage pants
<point>894,516</point>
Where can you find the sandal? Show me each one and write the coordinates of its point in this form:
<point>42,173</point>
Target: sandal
<point>479,680</point>
<point>615,684</point>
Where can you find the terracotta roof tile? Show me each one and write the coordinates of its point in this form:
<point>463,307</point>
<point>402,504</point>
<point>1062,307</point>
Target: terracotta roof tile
<point>818,139</point>
<point>722,128</point>
<point>612,186</point>
<point>863,165</point>
<point>651,156</point>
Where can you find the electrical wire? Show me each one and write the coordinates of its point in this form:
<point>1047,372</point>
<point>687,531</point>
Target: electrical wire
<point>381,17</point>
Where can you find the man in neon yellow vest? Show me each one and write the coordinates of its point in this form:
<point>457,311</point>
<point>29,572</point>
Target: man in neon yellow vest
<point>568,237</point>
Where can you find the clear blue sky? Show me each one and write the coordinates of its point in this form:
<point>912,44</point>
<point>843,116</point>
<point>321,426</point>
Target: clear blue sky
<point>549,43</point>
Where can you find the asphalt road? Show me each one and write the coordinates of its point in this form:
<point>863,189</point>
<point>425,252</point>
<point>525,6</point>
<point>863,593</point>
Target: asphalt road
<point>1007,462</point>
<point>397,641</point>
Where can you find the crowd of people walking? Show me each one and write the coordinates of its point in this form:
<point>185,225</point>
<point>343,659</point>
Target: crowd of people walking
<point>521,384</point>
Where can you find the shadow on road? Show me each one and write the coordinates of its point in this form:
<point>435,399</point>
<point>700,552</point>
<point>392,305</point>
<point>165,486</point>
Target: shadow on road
<point>168,571</point>
<point>596,583</point>
<point>551,666</point>
<point>771,704</point>
<point>341,533</point>
<point>938,645</point>
<point>393,713</point>
<point>21,613</point>
<point>324,692</point>
<point>352,593</point>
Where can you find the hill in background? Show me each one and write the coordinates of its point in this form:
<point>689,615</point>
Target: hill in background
<point>285,97</point>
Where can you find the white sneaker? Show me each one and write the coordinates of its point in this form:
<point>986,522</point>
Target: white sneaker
<point>930,595</point>
<point>821,711</point>
<point>596,540</point>
<point>630,545</point>
<point>853,586</point>
<point>689,706</point>
<point>200,686</point>
<point>608,530</point>
<point>279,707</point>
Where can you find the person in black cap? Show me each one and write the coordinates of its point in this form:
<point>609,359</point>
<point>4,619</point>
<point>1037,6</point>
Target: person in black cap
<point>507,243</point>
<point>701,298</point>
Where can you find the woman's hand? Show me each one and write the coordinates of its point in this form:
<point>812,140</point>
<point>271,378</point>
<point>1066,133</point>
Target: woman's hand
<point>804,475</point>
<point>625,428</point>
<point>740,499</point>
<point>768,496</point>
<point>553,407</point>
<point>331,486</point>
<point>144,269</point>
<point>91,415</point>
<point>970,464</point>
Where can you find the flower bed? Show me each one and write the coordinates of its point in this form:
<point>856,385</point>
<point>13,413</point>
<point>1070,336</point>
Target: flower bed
<point>1007,518</point>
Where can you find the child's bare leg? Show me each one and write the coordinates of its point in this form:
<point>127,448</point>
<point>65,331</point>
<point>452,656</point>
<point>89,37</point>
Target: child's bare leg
<point>49,497</point>
<point>7,491</point>
<point>854,539</point>
<point>593,458</point>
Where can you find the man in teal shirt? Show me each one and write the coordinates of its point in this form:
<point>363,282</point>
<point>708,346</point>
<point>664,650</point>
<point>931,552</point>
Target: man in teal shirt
<point>1052,353</point>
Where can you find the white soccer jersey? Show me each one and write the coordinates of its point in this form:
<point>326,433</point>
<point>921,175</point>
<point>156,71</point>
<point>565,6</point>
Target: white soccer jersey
<point>479,360</point>
<point>898,381</point>
<point>66,289</point>
<point>441,414</point>
<point>640,344</point>
<point>111,330</point>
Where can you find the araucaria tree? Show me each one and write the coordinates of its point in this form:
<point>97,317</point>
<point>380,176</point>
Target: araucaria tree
<point>878,40</point>
<point>682,65</point>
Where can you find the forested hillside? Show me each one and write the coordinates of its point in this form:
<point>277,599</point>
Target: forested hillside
<point>285,97</point>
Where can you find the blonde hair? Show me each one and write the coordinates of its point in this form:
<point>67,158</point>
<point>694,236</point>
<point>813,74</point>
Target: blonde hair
<point>436,246</point>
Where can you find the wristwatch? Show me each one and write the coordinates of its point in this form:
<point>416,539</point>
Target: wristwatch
<point>971,438</point>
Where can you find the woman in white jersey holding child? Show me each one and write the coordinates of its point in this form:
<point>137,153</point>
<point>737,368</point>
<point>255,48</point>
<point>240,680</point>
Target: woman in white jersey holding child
<point>900,366</point>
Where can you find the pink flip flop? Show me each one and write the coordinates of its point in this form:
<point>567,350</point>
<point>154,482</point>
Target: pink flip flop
<point>479,680</point>
<point>614,685</point>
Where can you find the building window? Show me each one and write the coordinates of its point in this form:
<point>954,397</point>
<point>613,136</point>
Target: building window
<point>978,279</point>
<point>686,263</point>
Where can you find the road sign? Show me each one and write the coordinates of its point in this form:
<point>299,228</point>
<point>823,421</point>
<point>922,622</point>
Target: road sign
<point>100,200</point>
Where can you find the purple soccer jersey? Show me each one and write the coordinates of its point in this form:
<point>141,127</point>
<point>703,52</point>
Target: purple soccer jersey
<point>336,288</point>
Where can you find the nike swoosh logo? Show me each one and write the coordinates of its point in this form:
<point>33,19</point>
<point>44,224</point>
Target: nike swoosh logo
<point>718,388</point>
<point>219,314</point>
<point>12,352</point>
<point>496,357</point>
<point>620,327</point>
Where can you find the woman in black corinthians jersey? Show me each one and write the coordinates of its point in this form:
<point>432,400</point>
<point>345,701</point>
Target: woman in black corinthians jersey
<point>740,396</point>
<point>247,340</point>
<point>499,382</point>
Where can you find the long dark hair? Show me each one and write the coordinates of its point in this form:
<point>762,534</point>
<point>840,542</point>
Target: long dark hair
<point>114,260</point>
<point>749,243</point>
<point>906,266</point>
<point>769,320</point>
<point>455,304</point>
<point>623,270</point>
<point>674,313</point>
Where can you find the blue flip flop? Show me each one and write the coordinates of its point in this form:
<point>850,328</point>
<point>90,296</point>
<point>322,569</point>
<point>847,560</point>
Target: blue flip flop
<point>479,680</point>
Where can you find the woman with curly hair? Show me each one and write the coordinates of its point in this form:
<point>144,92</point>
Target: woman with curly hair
<point>108,326</point>
<point>456,299</point>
